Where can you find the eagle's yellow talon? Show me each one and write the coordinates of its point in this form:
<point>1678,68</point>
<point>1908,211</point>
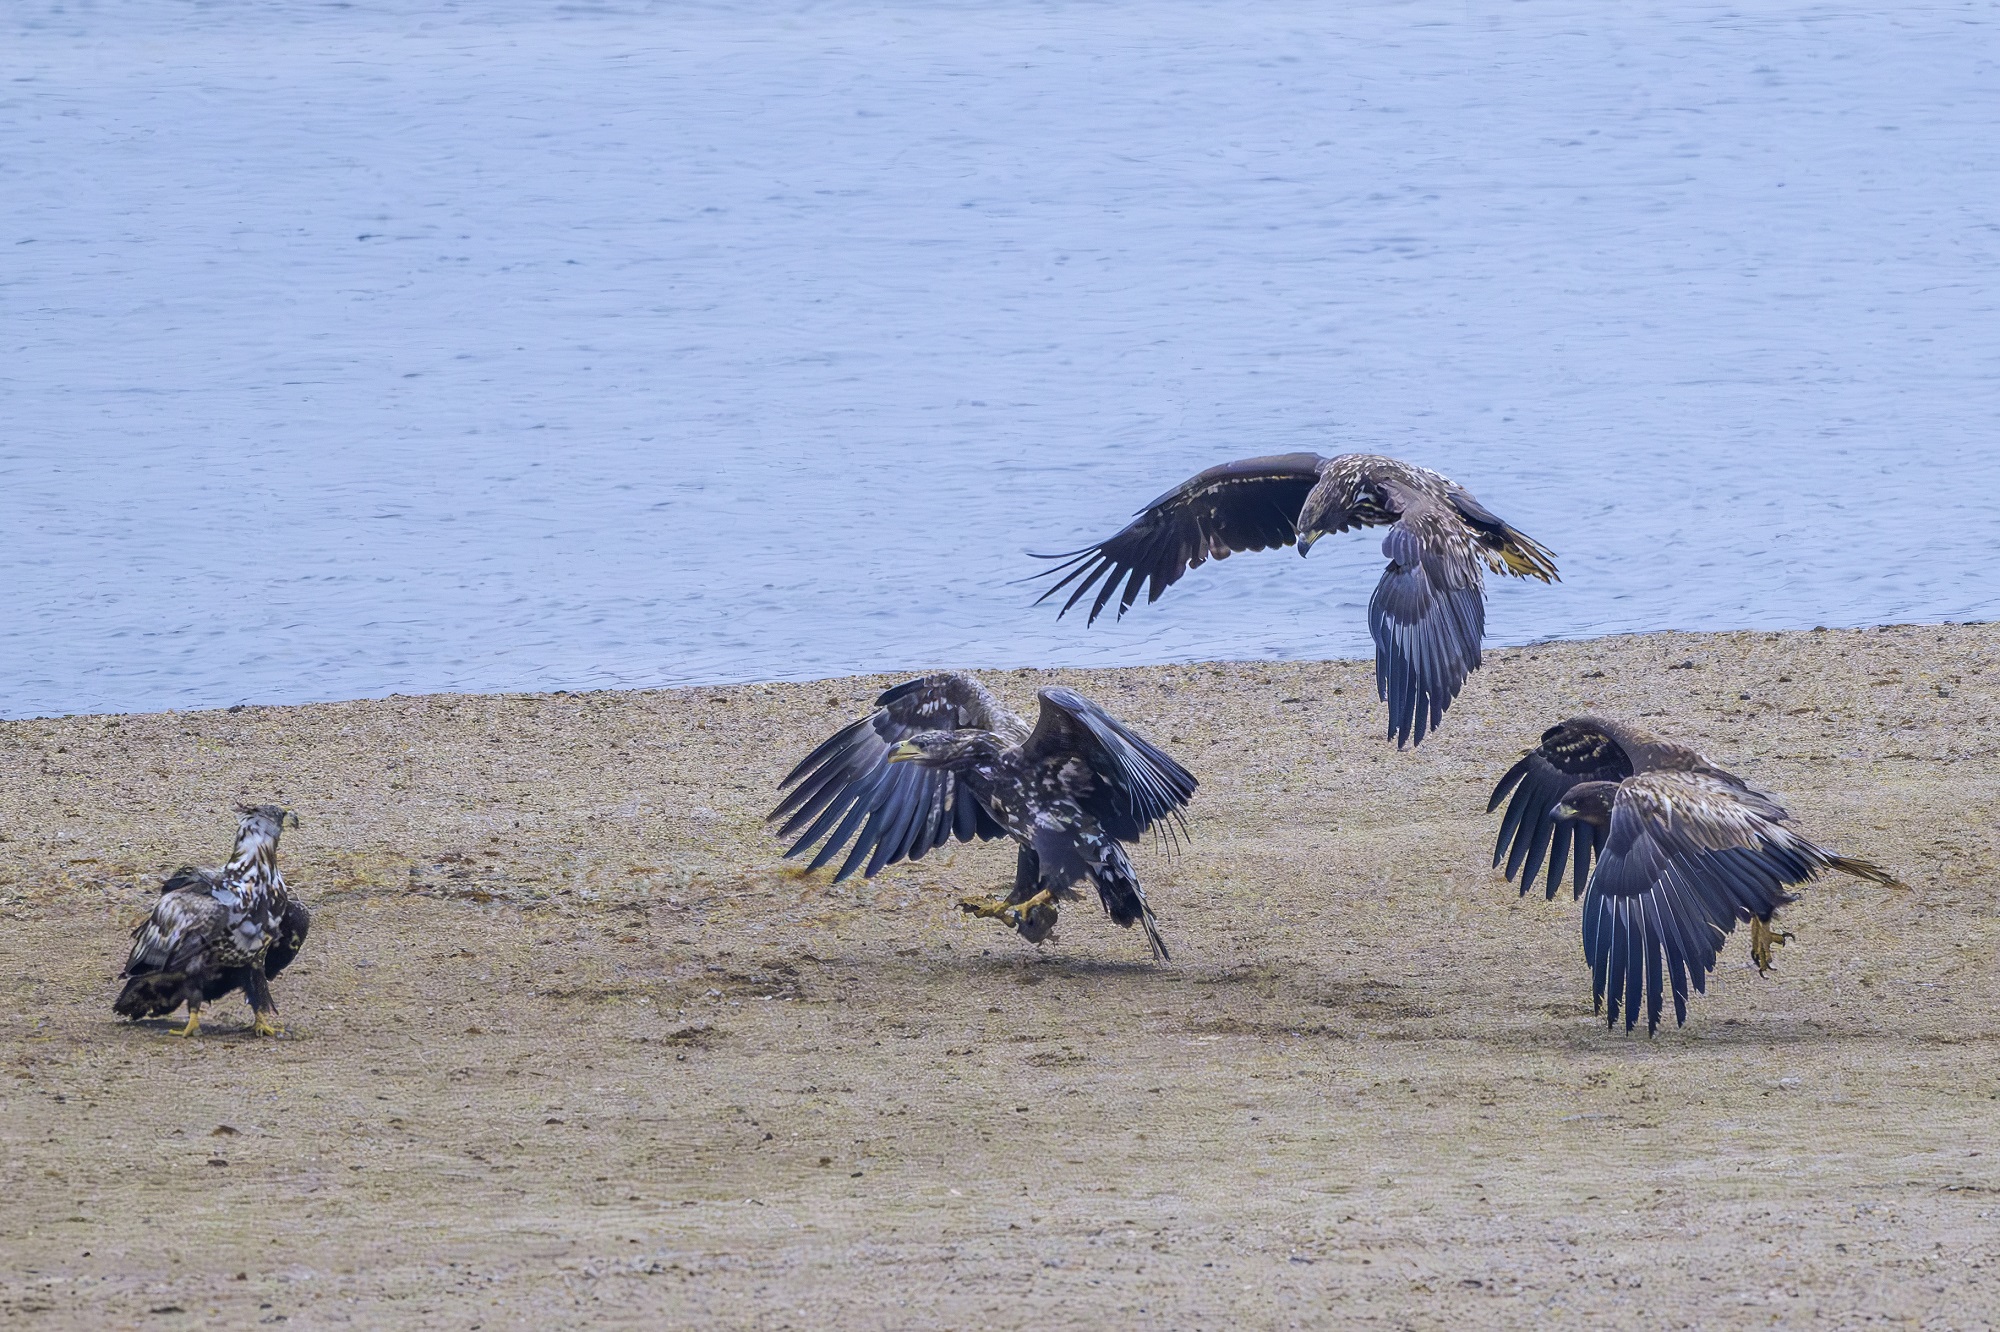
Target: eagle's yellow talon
<point>193,1026</point>
<point>1762,940</point>
<point>263,1026</point>
<point>1010,914</point>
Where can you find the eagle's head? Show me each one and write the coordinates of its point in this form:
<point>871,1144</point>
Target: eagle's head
<point>274,818</point>
<point>1589,802</point>
<point>945,749</point>
<point>1314,515</point>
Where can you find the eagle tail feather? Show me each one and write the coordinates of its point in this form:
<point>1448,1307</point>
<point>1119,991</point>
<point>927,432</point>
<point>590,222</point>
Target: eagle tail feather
<point>1125,901</point>
<point>1867,869</point>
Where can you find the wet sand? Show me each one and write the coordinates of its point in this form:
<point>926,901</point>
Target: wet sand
<point>569,1041</point>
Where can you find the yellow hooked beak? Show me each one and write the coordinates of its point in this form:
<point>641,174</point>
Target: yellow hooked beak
<point>904,752</point>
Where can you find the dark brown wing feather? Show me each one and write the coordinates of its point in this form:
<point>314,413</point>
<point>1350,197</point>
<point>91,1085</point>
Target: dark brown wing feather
<point>1133,785</point>
<point>1687,859</point>
<point>1581,749</point>
<point>1427,617</point>
<point>1252,504</point>
<point>848,788</point>
<point>171,953</point>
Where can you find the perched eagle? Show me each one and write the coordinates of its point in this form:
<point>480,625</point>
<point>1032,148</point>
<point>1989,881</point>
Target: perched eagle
<point>939,758</point>
<point>1685,851</point>
<point>217,930</point>
<point>1428,613</point>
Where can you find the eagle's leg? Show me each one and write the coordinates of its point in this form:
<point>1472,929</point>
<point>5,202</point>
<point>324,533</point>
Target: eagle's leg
<point>1763,939</point>
<point>1012,914</point>
<point>193,1026</point>
<point>262,1005</point>
<point>1027,910</point>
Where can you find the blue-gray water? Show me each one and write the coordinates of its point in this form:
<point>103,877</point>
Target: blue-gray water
<point>389,346</point>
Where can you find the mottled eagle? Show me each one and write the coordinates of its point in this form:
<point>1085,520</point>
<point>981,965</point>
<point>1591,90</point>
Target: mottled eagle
<point>940,758</point>
<point>1428,613</point>
<point>1685,851</point>
<point>218,930</point>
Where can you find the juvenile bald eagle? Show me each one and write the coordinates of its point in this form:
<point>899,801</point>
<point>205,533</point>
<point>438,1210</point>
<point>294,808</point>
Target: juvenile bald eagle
<point>1428,613</point>
<point>939,758</point>
<point>218,930</point>
<point>1685,851</point>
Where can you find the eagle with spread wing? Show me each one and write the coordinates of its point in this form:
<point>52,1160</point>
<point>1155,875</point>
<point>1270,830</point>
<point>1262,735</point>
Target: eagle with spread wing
<point>939,758</point>
<point>218,930</point>
<point>1684,852</point>
<point>1428,613</point>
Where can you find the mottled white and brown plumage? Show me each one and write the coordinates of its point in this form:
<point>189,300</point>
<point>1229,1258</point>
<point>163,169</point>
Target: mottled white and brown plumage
<point>1428,613</point>
<point>217,930</point>
<point>1685,852</point>
<point>940,758</point>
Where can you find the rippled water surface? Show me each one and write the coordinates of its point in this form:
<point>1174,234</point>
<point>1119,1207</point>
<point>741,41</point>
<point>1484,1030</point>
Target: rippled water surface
<point>397,347</point>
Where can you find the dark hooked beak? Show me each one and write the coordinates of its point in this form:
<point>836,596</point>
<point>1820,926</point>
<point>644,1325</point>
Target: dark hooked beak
<point>1306,540</point>
<point>291,819</point>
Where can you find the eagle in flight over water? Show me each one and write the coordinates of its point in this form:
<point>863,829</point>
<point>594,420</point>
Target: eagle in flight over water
<point>940,758</point>
<point>1428,613</point>
<point>1685,851</point>
<point>218,930</point>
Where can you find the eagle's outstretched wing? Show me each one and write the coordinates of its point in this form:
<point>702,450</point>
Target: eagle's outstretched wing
<point>848,788</point>
<point>1251,504</point>
<point>1132,784</point>
<point>1581,749</point>
<point>1689,856</point>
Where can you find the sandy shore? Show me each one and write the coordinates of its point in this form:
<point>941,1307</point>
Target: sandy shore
<point>569,1042</point>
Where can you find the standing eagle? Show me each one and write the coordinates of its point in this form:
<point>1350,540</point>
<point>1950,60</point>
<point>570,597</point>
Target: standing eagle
<point>1685,851</point>
<point>1428,613</point>
<point>217,930</point>
<point>939,758</point>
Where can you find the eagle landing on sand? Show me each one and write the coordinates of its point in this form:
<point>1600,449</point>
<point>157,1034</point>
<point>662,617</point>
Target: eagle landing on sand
<point>1428,613</point>
<point>1685,852</point>
<point>939,758</point>
<point>217,930</point>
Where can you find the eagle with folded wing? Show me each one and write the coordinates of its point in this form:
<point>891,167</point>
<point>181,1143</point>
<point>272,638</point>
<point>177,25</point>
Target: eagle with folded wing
<point>218,930</point>
<point>1684,852</point>
<point>1428,613</point>
<point>940,758</point>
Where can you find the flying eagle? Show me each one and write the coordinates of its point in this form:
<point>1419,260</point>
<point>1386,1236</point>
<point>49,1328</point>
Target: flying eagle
<point>1428,613</point>
<point>217,930</point>
<point>940,758</point>
<point>1685,851</point>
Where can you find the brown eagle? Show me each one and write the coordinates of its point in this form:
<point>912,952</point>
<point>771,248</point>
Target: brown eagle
<point>1428,613</point>
<point>218,930</point>
<point>1685,851</point>
<point>940,758</point>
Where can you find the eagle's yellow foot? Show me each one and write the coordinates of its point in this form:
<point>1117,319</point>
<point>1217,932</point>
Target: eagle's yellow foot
<point>1010,914</point>
<point>193,1026</point>
<point>263,1026</point>
<point>1762,940</point>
